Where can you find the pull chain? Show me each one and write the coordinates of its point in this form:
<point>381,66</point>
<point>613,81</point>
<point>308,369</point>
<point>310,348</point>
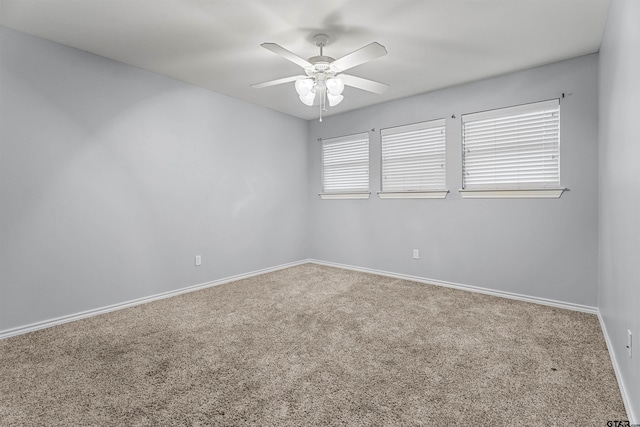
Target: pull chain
<point>323,103</point>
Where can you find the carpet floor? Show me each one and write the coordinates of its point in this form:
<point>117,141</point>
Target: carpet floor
<point>315,345</point>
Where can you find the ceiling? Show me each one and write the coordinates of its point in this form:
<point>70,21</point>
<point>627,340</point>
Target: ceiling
<point>215,44</point>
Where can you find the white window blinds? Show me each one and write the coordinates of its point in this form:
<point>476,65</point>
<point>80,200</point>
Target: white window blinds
<point>413,157</point>
<point>515,148</point>
<point>345,164</point>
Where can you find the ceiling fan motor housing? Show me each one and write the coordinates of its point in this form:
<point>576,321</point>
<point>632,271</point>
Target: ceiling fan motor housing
<point>321,62</point>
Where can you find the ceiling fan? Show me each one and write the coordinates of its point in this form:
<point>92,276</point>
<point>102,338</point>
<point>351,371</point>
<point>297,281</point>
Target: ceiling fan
<point>324,79</point>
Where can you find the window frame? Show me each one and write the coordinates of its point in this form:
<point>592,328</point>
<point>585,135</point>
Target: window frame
<point>417,192</point>
<point>516,189</point>
<point>356,192</point>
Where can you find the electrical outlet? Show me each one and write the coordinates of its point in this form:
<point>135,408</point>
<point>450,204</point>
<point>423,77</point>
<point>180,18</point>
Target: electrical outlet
<point>629,343</point>
<point>198,259</point>
<point>416,254</point>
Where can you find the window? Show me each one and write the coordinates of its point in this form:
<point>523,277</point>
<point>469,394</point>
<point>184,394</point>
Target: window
<point>512,152</point>
<point>345,167</point>
<point>413,161</point>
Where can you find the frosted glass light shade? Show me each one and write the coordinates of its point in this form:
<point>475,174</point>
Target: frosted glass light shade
<point>308,98</point>
<point>335,86</point>
<point>303,86</point>
<point>334,99</point>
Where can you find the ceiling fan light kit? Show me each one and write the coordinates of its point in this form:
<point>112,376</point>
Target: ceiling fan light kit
<point>324,80</point>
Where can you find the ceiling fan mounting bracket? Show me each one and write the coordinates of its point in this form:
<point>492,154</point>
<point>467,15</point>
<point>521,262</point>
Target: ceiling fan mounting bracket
<point>321,40</point>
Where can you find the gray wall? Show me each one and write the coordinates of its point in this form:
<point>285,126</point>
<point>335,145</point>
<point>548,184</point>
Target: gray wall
<point>541,248</point>
<point>619,204</point>
<point>112,179</point>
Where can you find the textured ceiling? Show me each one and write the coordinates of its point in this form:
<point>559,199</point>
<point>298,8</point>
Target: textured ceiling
<point>215,44</point>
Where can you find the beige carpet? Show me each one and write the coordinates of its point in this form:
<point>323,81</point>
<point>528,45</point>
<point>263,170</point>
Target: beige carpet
<point>314,345</point>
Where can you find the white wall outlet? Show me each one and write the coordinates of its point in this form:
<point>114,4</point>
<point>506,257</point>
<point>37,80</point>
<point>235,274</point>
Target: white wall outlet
<point>198,259</point>
<point>416,254</point>
<point>629,343</point>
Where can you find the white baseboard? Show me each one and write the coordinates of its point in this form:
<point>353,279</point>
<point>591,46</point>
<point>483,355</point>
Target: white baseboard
<point>503,294</point>
<point>94,312</point>
<point>89,313</point>
<point>623,391</point>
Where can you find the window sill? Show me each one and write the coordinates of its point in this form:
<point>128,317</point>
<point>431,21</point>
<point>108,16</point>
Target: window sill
<point>337,196</point>
<point>413,194</point>
<point>546,193</point>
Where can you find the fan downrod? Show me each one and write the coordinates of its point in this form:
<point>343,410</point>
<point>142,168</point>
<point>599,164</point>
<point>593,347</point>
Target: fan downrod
<point>321,62</point>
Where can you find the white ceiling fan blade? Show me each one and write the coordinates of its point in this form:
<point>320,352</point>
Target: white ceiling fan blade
<point>364,84</point>
<point>276,48</point>
<point>360,56</point>
<point>277,82</point>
